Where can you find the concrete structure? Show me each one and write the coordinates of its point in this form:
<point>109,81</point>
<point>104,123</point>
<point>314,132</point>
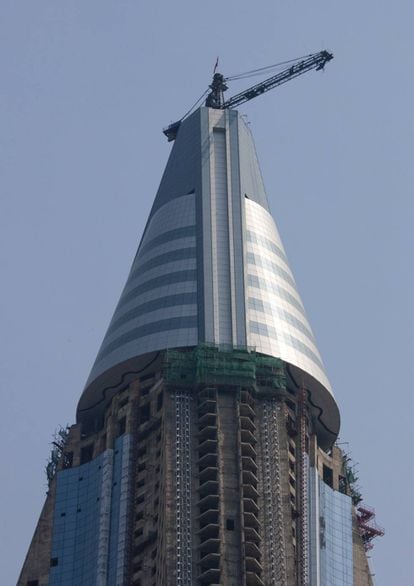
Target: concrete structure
<point>204,451</point>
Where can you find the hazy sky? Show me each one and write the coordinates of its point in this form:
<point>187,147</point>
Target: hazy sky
<point>85,89</point>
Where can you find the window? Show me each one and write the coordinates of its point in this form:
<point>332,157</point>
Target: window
<point>146,377</point>
<point>86,454</point>
<point>342,484</point>
<point>328,476</point>
<point>122,426</point>
<point>230,524</point>
<point>53,562</point>
<point>67,459</point>
<point>144,413</point>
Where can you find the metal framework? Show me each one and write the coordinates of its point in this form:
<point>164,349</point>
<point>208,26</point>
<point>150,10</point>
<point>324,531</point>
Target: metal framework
<point>272,489</point>
<point>183,489</point>
<point>303,557</point>
<point>316,61</point>
<point>218,86</point>
<point>367,526</point>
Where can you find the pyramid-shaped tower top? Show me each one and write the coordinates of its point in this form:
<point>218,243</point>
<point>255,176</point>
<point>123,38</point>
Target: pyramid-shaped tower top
<point>210,268</point>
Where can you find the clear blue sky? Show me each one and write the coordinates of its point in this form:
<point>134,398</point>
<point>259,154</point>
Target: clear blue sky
<point>85,89</point>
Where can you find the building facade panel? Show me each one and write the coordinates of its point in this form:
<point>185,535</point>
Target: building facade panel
<point>90,520</point>
<point>284,331</point>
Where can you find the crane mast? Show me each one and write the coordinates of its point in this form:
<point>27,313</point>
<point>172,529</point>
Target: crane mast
<point>218,86</point>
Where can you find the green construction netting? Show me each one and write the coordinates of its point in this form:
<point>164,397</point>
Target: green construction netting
<point>209,364</point>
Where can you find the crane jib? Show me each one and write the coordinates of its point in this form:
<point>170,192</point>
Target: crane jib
<point>218,86</point>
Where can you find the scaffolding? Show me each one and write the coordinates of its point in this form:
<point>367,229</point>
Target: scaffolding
<point>367,526</point>
<point>272,493</point>
<point>183,489</point>
<point>303,469</point>
<point>60,438</point>
<point>208,364</point>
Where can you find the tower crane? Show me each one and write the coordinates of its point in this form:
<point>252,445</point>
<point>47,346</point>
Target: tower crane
<point>215,98</point>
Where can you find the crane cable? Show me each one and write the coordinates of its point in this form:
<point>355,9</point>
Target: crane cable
<point>262,70</point>
<point>246,74</point>
<point>195,105</point>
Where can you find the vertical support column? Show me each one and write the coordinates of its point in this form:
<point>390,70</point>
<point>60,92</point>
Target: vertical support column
<point>222,228</point>
<point>122,549</point>
<point>272,493</point>
<point>104,519</point>
<point>229,475</point>
<point>183,489</point>
<point>220,239</point>
<point>208,490</point>
<point>251,526</point>
<point>314,528</point>
<point>303,496</point>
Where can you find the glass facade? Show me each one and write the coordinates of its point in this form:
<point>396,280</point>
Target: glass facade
<point>173,323</point>
<point>331,557</point>
<point>88,509</point>
<point>169,236</point>
<point>276,319</point>
<point>336,561</point>
<point>269,332</point>
<point>153,305</point>
<point>157,282</point>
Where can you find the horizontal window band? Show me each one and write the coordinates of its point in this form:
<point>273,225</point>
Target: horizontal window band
<point>161,259</point>
<point>167,279</point>
<point>265,285</point>
<point>163,325</point>
<point>168,236</point>
<point>262,240</point>
<point>283,337</point>
<point>269,309</point>
<point>264,263</point>
<point>153,305</point>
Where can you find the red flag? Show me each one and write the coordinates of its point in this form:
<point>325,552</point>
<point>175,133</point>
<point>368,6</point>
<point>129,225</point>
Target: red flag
<point>216,65</point>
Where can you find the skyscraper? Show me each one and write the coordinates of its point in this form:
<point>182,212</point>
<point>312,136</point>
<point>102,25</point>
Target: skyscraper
<point>204,448</point>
